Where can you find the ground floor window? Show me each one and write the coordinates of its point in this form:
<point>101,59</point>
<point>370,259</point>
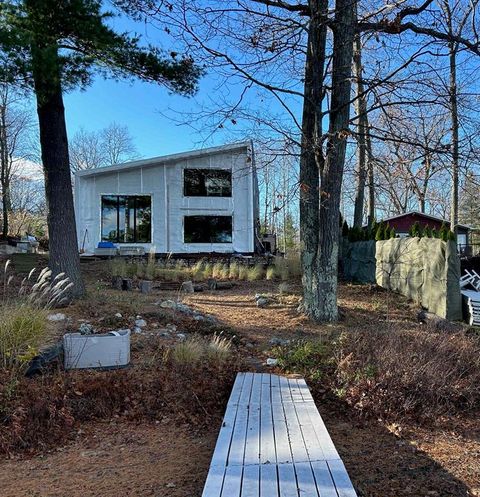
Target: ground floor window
<point>127,218</point>
<point>207,229</point>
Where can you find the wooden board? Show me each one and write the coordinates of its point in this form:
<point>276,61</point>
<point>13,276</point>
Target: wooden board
<point>274,443</point>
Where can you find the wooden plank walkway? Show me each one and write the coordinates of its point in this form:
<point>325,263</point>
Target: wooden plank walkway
<point>274,443</point>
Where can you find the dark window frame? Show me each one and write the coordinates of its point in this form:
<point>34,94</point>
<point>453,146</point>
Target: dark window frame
<point>230,216</point>
<point>204,171</point>
<point>135,234</point>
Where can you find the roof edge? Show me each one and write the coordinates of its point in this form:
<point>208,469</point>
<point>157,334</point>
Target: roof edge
<point>425,215</point>
<point>162,159</point>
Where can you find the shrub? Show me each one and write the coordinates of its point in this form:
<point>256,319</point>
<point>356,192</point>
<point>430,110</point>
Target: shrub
<point>418,374</point>
<point>282,268</point>
<point>219,348</point>
<point>225,271</point>
<point>307,357</point>
<point>255,273</point>
<point>22,330</point>
<point>234,270</point>
<point>207,270</point>
<point>118,267</point>
<point>197,271</point>
<point>189,352</point>
<point>415,231</point>
<point>271,273</point>
<point>217,270</point>
<point>380,233</point>
<point>242,272</point>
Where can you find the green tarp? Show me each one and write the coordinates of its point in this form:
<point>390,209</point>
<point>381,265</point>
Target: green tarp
<point>426,270</point>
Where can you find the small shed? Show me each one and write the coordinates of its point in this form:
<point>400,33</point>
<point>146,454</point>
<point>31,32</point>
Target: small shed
<point>403,222</point>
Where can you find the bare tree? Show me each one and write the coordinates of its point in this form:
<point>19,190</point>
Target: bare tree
<point>15,125</point>
<point>110,145</point>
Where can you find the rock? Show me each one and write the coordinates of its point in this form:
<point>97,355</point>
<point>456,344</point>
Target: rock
<point>198,317</point>
<point>198,288</point>
<point>168,304</point>
<point>249,345</point>
<point>140,323</point>
<point>117,282</point>
<point>262,302</point>
<point>181,336</point>
<point>56,317</point>
<point>184,308</point>
<point>145,286</point>
<point>171,327</point>
<point>137,330</point>
<point>275,341</point>
<point>86,329</point>
<point>187,287</point>
<point>127,284</point>
<point>272,362</point>
<point>224,285</point>
<point>118,315</point>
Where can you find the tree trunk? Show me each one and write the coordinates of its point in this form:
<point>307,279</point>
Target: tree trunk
<point>343,37</point>
<point>63,244</point>
<point>454,127</point>
<point>362,156</point>
<point>371,179</point>
<point>4,165</point>
<point>6,207</point>
<point>311,158</point>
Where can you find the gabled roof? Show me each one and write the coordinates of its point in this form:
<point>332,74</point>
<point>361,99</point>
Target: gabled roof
<point>422,214</point>
<point>165,159</point>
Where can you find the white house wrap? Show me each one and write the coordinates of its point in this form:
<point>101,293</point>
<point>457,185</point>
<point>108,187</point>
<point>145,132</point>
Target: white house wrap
<point>193,202</point>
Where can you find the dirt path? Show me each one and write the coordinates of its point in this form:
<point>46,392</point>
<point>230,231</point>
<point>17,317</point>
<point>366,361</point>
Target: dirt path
<point>113,460</point>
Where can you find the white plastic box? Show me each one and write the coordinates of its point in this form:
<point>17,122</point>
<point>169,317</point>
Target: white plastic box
<point>108,350</point>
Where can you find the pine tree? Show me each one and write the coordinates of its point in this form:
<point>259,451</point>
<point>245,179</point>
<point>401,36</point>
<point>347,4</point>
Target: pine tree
<point>52,46</point>
<point>415,230</point>
<point>380,234</point>
<point>443,233</point>
<point>345,229</point>
<point>427,232</point>
<point>451,236</point>
<point>393,233</point>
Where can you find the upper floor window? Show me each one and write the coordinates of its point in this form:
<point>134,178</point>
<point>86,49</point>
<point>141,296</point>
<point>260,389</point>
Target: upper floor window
<point>127,218</point>
<point>207,183</point>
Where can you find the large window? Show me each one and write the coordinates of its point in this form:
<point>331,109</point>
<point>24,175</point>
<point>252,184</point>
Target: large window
<point>127,218</point>
<point>207,229</point>
<point>207,183</point>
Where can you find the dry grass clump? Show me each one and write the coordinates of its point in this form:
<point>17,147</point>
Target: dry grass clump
<point>255,273</point>
<point>219,348</point>
<point>189,352</point>
<point>397,373</point>
<point>195,349</point>
<point>23,318</point>
<point>22,330</point>
<point>233,270</point>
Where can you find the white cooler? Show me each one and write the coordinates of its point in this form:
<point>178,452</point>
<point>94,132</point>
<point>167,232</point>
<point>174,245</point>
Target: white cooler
<point>107,350</point>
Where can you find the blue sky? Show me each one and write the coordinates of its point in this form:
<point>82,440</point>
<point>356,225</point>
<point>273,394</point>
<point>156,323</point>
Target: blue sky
<point>136,105</point>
